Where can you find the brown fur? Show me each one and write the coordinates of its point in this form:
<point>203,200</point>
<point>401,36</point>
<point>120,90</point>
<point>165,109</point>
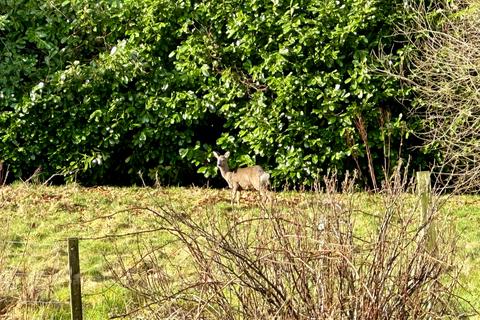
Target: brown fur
<point>243,178</point>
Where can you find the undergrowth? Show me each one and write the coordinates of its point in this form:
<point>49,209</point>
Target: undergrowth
<point>186,252</point>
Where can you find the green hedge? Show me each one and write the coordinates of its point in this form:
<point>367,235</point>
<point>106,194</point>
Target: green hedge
<point>111,88</point>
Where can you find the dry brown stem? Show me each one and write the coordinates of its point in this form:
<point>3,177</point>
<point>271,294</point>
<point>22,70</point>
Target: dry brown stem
<point>296,263</point>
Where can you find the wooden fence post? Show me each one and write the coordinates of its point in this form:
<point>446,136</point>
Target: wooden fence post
<point>424,190</point>
<point>75,284</point>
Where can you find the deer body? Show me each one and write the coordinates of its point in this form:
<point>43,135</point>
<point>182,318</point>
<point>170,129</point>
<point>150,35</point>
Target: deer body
<point>243,178</point>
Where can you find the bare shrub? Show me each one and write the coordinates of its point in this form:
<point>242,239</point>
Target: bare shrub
<point>443,69</point>
<point>326,259</point>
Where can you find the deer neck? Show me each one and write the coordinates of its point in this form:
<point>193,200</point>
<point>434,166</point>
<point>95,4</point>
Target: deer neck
<point>226,173</point>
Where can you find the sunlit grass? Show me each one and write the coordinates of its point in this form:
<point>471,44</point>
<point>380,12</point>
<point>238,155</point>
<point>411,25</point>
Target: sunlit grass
<point>465,210</point>
<point>37,220</point>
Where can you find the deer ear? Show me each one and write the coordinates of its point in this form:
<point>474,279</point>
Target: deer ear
<point>227,154</point>
<point>216,154</point>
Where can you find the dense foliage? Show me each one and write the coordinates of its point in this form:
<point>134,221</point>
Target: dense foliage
<point>108,88</point>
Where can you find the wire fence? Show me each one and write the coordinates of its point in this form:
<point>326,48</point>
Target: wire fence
<point>35,275</point>
<point>30,274</point>
<point>35,279</point>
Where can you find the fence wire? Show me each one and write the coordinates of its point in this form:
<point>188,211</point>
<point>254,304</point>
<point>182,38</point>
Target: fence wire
<point>34,274</point>
<point>31,273</point>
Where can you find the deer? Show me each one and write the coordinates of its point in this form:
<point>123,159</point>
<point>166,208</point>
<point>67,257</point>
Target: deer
<point>243,178</point>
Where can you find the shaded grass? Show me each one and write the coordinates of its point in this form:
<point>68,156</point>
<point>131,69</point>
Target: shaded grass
<point>37,220</point>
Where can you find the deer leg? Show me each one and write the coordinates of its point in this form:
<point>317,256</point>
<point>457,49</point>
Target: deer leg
<point>239,196</point>
<point>265,195</point>
<point>268,195</point>
<point>234,194</point>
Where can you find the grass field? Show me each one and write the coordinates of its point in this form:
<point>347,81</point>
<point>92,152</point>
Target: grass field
<point>113,226</point>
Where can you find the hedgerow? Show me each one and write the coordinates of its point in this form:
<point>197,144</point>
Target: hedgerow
<point>106,89</point>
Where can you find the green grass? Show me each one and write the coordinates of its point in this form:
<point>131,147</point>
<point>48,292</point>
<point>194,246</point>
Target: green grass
<point>466,213</point>
<point>37,220</point>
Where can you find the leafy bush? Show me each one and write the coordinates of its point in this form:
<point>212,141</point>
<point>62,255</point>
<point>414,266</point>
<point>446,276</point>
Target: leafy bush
<point>109,88</point>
